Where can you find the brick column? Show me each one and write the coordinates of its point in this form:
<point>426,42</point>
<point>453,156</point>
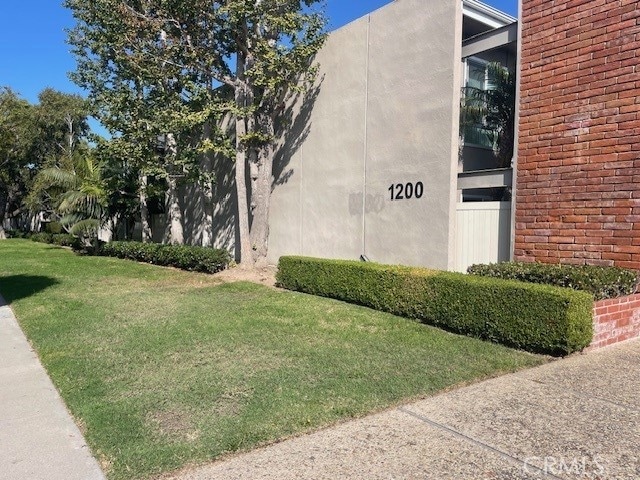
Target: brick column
<point>615,320</point>
<point>578,181</point>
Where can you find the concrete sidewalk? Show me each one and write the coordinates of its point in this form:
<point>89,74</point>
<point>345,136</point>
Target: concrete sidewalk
<point>38,438</point>
<point>577,418</point>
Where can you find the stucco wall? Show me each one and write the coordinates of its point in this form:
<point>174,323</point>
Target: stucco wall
<point>223,208</point>
<point>385,111</point>
<point>194,204</point>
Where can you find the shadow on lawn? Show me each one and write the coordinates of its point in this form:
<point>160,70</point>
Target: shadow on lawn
<point>16,287</point>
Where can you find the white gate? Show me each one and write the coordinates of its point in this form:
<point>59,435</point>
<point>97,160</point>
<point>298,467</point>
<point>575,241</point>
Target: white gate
<point>483,233</point>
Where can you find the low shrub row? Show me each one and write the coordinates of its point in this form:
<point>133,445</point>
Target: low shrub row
<point>53,227</point>
<point>196,259</point>
<point>601,282</point>
<point>538,318</point>
<point>61,239</point>
<point>17,234</point>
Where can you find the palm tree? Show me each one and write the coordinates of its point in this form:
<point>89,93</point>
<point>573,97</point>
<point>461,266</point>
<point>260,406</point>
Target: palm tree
<point>78,193</point>
<point>494,110</point>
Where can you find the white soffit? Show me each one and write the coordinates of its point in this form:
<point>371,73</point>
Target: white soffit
<point>486,14</point>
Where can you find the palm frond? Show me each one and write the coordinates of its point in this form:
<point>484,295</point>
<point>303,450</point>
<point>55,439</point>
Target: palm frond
<point>87,228</point>
<point>95,190</point>
<point>71,201</point>
<point>70,219</point>
<point>57,177</point>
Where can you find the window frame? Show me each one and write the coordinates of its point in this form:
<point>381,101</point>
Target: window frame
<point>467,65</point>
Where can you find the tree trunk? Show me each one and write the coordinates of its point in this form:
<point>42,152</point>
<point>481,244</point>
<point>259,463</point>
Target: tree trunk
<point>207,197</point>
<point>176,233</point>
<point>144,209</point>
<point>207,207</point>
<point>261,197</point>
<point>4,207</point>
<point>246,257</point>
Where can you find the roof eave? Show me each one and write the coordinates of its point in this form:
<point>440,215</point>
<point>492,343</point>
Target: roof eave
<point>486,14</point>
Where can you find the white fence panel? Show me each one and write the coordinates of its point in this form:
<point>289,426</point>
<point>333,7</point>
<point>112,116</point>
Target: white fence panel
<point>483,233</point>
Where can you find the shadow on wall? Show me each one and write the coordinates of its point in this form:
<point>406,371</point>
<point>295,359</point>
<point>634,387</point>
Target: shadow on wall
<point>222,205</point>
<point>195,203</point>
<point>17,287</point>
<point>193,207</point>
<point>293,127</point>
<point>225,205</point>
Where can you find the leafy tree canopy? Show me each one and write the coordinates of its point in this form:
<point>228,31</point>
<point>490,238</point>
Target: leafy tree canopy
<point>35,136</point>
<point>179,75</point>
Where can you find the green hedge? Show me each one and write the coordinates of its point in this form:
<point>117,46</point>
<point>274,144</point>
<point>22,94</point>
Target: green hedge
<point>538,318</point>
<point>54,228</point>
<point>42,237</point>
<point>61,239</point>
<point>17,234</point>
<point>196,259</point>
<point>601,282</point>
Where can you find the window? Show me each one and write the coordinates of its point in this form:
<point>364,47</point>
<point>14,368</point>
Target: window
<point>476,74</point>
<point>477,80</point>
<point>491,194</point>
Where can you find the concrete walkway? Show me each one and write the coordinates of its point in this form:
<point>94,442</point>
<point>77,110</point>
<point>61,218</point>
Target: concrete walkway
<point>577,418</point>
<point>38,438</point>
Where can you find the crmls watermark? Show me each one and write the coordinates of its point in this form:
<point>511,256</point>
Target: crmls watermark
<point>580,466</point>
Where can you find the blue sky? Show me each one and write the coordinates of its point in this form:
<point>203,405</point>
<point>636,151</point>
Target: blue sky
<point>33,53</point>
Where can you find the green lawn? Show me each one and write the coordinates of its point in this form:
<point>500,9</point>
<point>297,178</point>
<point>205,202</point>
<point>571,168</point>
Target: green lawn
<point>163,368</point>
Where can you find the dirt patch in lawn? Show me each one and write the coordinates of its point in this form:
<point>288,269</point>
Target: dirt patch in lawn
<point>173,424</point>
<point>264,276</point>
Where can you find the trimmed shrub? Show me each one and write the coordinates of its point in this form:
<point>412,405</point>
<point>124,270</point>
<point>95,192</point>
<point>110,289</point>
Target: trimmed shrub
<point>54,228</point>
<point>186,257</point>
<point>60,239</point>
<point>17,234</point>
<point>538,318</point>
<point>42,237</point>
<point>601,282</point>
<point>66,240</point>
<point>138,251</point>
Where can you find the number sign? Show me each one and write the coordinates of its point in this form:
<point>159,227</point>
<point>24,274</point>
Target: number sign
<point>406,191</point>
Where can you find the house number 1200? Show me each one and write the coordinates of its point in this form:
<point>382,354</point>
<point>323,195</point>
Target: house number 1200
<point>406,191</point>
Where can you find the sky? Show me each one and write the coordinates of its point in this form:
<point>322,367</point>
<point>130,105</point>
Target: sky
<point>34,55</point>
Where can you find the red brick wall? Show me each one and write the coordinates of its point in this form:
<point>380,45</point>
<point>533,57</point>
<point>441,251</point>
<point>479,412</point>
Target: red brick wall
<point>578,181</point>
<point>615,320</point>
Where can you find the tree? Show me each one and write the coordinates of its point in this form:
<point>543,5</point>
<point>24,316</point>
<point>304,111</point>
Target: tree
<point>268,49</point>
<point>58,143</point>
<point>16,125</point>
<point>177,70</point>
<point>60,125</point>
<point>35,136</point>
<point>79,194</point>
<point>155,111</point>
<point>494,110</point>
<point>121,180</point>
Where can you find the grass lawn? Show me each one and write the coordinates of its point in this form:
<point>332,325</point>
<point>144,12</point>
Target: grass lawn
<point>163,368</point>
